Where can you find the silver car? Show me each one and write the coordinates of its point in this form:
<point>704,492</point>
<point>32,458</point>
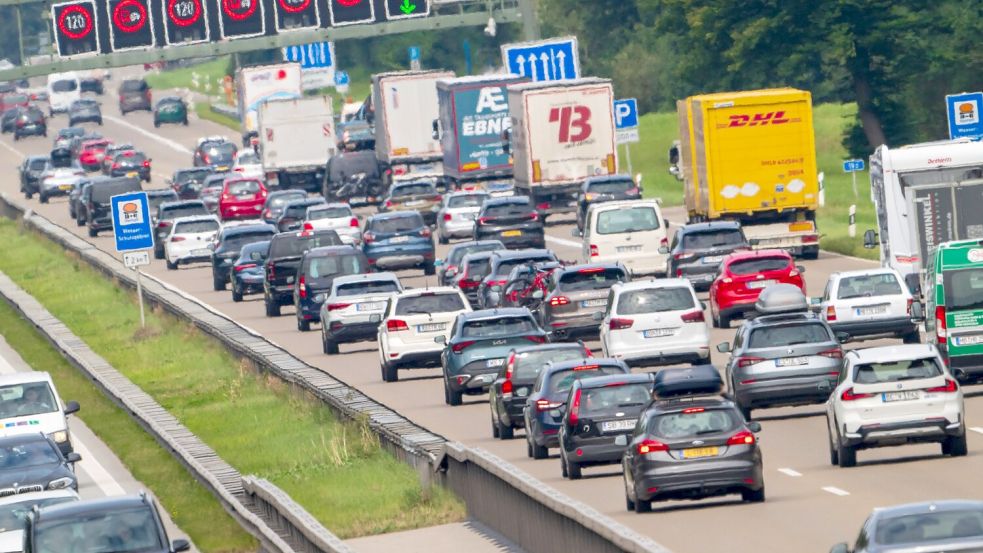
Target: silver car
<point>931,526</point>
<point>457,214</point>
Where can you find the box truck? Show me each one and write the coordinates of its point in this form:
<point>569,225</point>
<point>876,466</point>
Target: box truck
<point>258,84</point>
<point>296,138</point>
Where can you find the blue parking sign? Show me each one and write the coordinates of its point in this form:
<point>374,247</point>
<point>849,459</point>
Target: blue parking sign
<point>131,222</point>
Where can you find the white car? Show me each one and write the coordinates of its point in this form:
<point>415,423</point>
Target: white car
<point>190,240</point>
<point>415,327</point>
<point>336,216</point>
<point>871,303</point>
<point>457,214</point>
<point>894,395</point>
<point>655,322</point>
<point>248,165</point>
<point>353,309</point>
<point>29,403</point>
<point>59,181</point>
<point>632,232</point>
<point>15,508</point>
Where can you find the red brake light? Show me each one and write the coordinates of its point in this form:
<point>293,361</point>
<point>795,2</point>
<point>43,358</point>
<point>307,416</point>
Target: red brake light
<point>425,232</point>
<point>543,206</point>
<point>536,339</point>
<point>741,438</point>
<point>748,361</point>
<point>586,367</point>
<point>692,410</point>
<point>835,353</point>
<point>848,395</point>
<point>620,324</point>
<point>396,325</point>
<point>693,317</point>
<point>447,216</point>
<point>575,407</point>
<point>830,313</point>
<point>177,239</point>
<point>484,220</point>
<point>146,163</point>
<point>461,346</point>
<point>353,222</point>
<point>368,237</point>
<point>389,203</point>
<point>308,226</point>
<point>650,446</point>
<point>559,300</point>
<point>950,387</point>
<point>591,270</point>
<point>302,286</point>
<point>547,405</point>
<point>664,242</point>
<point>509,369</point>
<point>243,267</point>
<point>533,216</point>
<point>594,251</point>
<point>337,306</point>
<point>941,333</point>
<point>115,165</point>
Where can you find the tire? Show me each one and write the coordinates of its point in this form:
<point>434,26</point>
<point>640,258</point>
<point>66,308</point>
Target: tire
<point>99,122</point>
<point>185,122</point>
<point>28,194</point>
<point>453,398</point>
<point>442,239</point>
<point>754,496</point>
<point>236,295</point>
<point>303,325</point>
<point>956,446</point>
<point>629,504</point>
<point>158,254</point>
<point>329,347</point>
<point>429,269</point>
<point>42,198</point>
<point>746,411</point>
<point>272,309</point>
<point>847,455</point>
<point>93,232</point>
<point>495,427</point>
<point>504,432</point>
<point>390,373</point>
<point>80,222</point>
<point>914,337</point>
<point>171,266</point>
<point>810,252</point>
<point>834,453</point>
<point>156,124</point>
<point>643,506</point>
<point>573,470</point>
<point>537,451</point>
<point>218,285</point>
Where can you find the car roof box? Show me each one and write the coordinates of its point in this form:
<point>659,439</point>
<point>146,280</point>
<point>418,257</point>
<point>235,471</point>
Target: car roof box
<point>687,381</point>
<point>781,298</point>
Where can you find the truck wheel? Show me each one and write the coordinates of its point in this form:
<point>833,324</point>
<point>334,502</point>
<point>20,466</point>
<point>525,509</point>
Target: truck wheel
<point>913,337</point>
<point>810,252</point>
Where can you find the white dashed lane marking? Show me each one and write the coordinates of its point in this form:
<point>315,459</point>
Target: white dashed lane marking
<point>835,491</point>
<point>790,472</point>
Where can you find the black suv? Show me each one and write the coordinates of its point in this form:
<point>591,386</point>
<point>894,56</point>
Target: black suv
<point>292,216</point>
<point>30,122</point>
<point>228,246</point>
<point>134,94</point>
<point>355,177</point>
<point>698,248</point>
<point>156,197</point>
<point>30,173</point>
<point>215,152</point>
<point>318,270</point>
<point>96,201</point>
<point>596,190</point>
<point>169,211</point>
<point>513,220</point>
<point>286,251</point>
<point>188,182</point>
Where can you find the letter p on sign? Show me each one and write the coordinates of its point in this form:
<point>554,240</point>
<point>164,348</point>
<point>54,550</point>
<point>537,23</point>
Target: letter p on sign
<point>625,113</point>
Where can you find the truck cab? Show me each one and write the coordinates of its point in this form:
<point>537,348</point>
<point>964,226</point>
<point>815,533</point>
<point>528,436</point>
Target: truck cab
<point>954,306</point>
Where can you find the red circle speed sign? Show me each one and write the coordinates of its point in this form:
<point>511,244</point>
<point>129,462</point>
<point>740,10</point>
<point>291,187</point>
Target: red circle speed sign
<point>129,16</point>
<point>75,22</point>
<point>294,6</point>
<point>184,12</point>
<point>240,10</point>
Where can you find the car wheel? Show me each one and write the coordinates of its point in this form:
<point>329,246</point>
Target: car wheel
<point>303,325</point>
<point>563,465</point>
<point>505,432</point>
<point>643,506</point>
<point>99,122</point>
<point>185,122</point>
<point>272,309</point>
<point>390,373</point>
<point>754,496</point>
<point>629,503</point>
<point>329,347</point>
<point>453,398</point>
<point>79,221</point>
<point>442,239</point>
<point>538,451</point>
<point>156,123</point>
<point>171,266</point>
<point>914,337</point>
<point>811,252</point>
<point>158,254</point>
<point>42,198</point>
<point>93,232</point>
<point>834,454</point>
<point>218,285</point>
<point>28,195</point>
<point>573,470</point>
<point>429,269</point>
<point>236,294</point>
<point>746,411</point>
<point>847,455</point>
<point>495,427</point>
<point>956,446</point>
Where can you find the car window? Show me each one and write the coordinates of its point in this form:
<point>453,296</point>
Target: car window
<point>758,265</point>
<point>590,279</point>
<point>467,200</point>
<point>788,335</point>
<point>296,245</point>
<point>498,328</point>
<point>932,526</point>
<point>334,212</point>
<point>243,187</point>
<point>238,240</point>
<point>693,422</point>
<point>295,211</point>
<point>562,381</point>
<point>610,399</point>
<point>118,530</point>
<point>429,303</point>
<point>156,199</point>
<point>505,266</point>
<point>222,150</point>
<point>611,187</point>
<point>366,287</point>
<point>130,156</point>
<point>396,224</point>
<point>319,267</point>
<point>37,164</point>
<point>478,268</point>
<point>185,211</point>
<point>64,86</point>
<point>634,219</point>
<point>278,201</point>
<point>721,238</point>
<point>17,400</point>
<point>351,165</point>
<point>457,254</point>
<point>196,175</point>
<point>102,192</point>
<point>528,364</point>
<point>28,454</point>
<point>132,86</point>
<point>413,190</point>
<point>885,284</point>
<point>963,288</point>
<point>908,369</point>
<point>189,227</point>
<point>508,210</point>
<point>655,300</point>
<point>13,516</point>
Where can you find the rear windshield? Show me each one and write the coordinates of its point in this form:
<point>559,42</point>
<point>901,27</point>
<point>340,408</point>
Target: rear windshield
<point>458,254</point>
<point>508,210</point>
<point>37,164</point>
<point>278,201</point>
<point>931,527</point>
<point>713,239</point>
<point>15,99</point>
<point>244,187</point>
<point>85,104</point>
<point>610,187</point>
<point>329,213</point>
<point>562,381</point>
<point>196,226</point>
<point>297,211</point>
<point>195,175</point>
<point>655,300</point>
<point>611,399</point>
<point>237,241</point>
<point>885,284</point>
<point>590,279</point>
<point>349,165</point>
<point>103,191</point>
<point>132,86</point>
<point>154,200</point>
<point>220,150</point>
<point>294,246</point>
<point>501,327</point>
<point>633,219</point>
<point>693,422</point>
<point>429,303</point>
<point>528,364</point>
<point>963,289</point>
<point>184,211</point>
<point>414,190</point>
<point>131,157</point>
<point>908,369</point>
<point>478,268</point>
<point>467,200</point>
<point>254,253</point>
<point>506,266</point>
<point>788,335</point>
<point>320,267</point>
<point>64,86</point>
<point>396,224</point>
<point>759,265</point>
<point>367,287</point>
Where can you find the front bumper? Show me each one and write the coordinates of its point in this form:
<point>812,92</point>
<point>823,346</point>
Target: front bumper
<point>879,327</point>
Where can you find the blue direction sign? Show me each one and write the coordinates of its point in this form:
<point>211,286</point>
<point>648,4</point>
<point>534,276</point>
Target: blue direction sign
<point>625,113</point>
<point>853,165</point>
<point>964,114</point>
<point>131,222</point>
<point>414,52</point>
<point>317,55</point>
<point>545,60</point>
<point>341,78</point>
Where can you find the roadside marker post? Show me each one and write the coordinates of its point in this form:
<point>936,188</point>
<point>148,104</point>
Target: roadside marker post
<point>852,228</point>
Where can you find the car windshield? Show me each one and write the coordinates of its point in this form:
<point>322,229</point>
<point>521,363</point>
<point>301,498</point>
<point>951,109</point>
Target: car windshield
<point>191,227</point>
<point>118,531</point>
<point>238,240</point>
<point>611,187</point>
<point>757,265</point>
<point>478,269</point>
<point>64,85</point>
<point>693,422</point>
<point>783,335</point>
<point>334,212</point>
<point>708,240</point>
<point>467,200</point>
<point>295,245</point>
<point>349,165</point>
<point>243,187</point>
<point>906,369</point>
<point>418,189</point>
<point>28,454</point>
<point>930,527</point>
<point>219,151</point>
<point>14,515</point>
<point>505,266</point>
<point>624,219</point>
<point>183,211</point>
<point>610,399</point>
<point>396,224</point>
<point>528,364</point>
<point>283,199</point>
<point>562,381</point>
<point>132,86</point>
<point>655,300</point>
<point>590,279</point>
<point>884,284</point>
<point>508,210</point>
<point>320,267</point>
<point>429,303</point>
<point>367,287</point>
<point>18,400</point>
<point>500,327</point>
<point>458,253</point>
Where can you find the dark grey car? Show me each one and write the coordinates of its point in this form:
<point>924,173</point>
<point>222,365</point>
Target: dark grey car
<point>84,111</point>
<point>698,248</point>
<point>33,463</point>
<point>930,526</point>
<point>450,266</point>
<point>575,294</point>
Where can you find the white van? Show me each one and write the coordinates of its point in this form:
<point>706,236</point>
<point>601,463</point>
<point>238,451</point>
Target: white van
<point>63,89</point>
<point>29,404</point>
<point>631,231</point>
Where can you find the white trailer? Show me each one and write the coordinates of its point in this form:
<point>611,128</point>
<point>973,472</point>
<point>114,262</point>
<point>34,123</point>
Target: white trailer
<point>261,83</point>
<point>405,105</point>
<point>296,138</point>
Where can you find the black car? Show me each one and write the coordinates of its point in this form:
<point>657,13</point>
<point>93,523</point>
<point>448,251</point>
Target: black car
<point>189,182</point>
<point>355,177</point>
<point>120,523</point>
<point>293,213</point>
<point>698,248</point>
<point>276,200</point>
<point>156,197</point>
<point>356,136</point>
<point>604,189</point>
<point>8,118</point>
<point>513,220</point>
<point>286,251</point>
<point>130,163</point>
<point>576,298</point>
<point>501,264</point>
<point>507,394</point>
<point>84,111</point>
<point>474,268</point>
<point>600,417</point>
<point>229,244</point>
<point>449,267</point>
<point>318,269</point>
<point>95,201</point>
<point>91,84</point>
<point>166,213</point>
<point>248,272</point>
<point>215,152</point>
<point>34,463</point>
<point>134,94</point>
<point>30,122</point>
<point>75,199</point>
<point>30,173</point>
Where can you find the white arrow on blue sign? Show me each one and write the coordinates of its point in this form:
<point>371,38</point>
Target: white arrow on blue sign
<point>317,55</point>
<point>853,165</point>
<point>546,60</point>
<point>341,78</point>
<point>625,113</point>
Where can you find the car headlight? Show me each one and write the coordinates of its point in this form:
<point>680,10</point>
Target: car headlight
<point>59,437</point>
<point>60,483</point>
<point>319,298</point>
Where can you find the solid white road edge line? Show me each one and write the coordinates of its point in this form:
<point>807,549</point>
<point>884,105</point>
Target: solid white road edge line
<point>165,141</point>
<point>835,491</point>
<point>790,472</point>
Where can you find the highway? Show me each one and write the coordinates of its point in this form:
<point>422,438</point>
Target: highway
<point>810,504</point>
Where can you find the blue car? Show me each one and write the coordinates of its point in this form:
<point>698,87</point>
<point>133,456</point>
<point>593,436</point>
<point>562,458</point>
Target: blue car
<point>228,245</point>
<point>547,403</point>
<point>248,270</point>
<point>398,240</point>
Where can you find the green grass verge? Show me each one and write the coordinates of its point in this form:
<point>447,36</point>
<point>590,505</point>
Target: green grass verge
<point>204,111</point>
<point>209,77</point>
<point>337,471</point>
<point>193,508</point>
<point>658,130</point>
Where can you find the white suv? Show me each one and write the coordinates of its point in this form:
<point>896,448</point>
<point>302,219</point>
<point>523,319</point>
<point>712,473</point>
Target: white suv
<point>191,240</point>
<point>894,395</point>
<point>871,303</point>
<point>655,322</point>
<point>415,327</point>
<point>29,403</point>
<point>353,310</point>
<point>336,216</point>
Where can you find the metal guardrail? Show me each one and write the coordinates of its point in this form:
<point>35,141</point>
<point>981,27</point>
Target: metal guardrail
<point>305,531</point>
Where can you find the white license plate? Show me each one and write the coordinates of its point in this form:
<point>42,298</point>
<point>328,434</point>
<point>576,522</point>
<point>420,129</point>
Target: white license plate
<point>370,306</point>
<point>760,284</point>
<point>791,361</point>
<point>594,303</point>
<point>201,252</point>
<point>357,199</point>
<point>625,249</point>
<point>713,259</point>
<point>290,280</point>
<point>399,239</point>
<point>872,310</point>
<point>658,332</point>
<point>888,397</point>
<point>436,327</point>
<point>614,426</point>
<point>492,363</point>
<point>973,340</point>
<point>414,203</point>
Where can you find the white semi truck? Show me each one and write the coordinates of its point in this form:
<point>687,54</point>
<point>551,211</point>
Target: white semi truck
<point>296,139</point>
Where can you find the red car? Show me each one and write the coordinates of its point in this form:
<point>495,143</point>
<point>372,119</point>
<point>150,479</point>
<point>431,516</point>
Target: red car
<point>743,275</point>
<point>91,154</point>
<point>241,199</point>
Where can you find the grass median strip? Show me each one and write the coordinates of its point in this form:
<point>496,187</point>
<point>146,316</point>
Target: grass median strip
<point>204,111</point>
<point>191,506</point>
<point>337,471</point>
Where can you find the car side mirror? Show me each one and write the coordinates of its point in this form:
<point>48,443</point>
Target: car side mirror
<point>663,250</point>
<point>537,294</point>
<point>73,458</point>
<point>576,233</point>
<point>870,239</point>
<point>840,548</point>
<point>597,316</point>
<point>440,339</point>
<point>800,268</point>
<point>180,545</point>
<point>723,347</point>
<point>754,426</point>
<point>917,311</point>
<point>842,337</point>
<point>72,407</point>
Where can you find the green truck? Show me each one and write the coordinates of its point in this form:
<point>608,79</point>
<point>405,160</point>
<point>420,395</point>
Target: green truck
<point>957,304</point>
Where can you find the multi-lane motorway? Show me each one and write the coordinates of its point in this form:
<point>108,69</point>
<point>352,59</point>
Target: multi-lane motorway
<point>810,504</point>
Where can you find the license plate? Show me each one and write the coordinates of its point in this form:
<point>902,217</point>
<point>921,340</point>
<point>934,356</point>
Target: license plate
<point>791,361</point>
<point>658,332</point>
<point>370,306</point>
<point>698,452</point>
<point>615,426</point>
<point>492,363</point>
<point>594,303</point>
<point>201,252</point>
<point>625,249</point>
<point>969,340</point>
<point>357,199</point>
<point>399,239</point>
<point>512,233</point>
<point>414,203</point>
<point>759,284</point>
<point>888,397</point>
<point>713,259</point>
<point>872,310</point>
<point>436,327</point>
<point>131,173</point>
<point>290,280</point>
<point>65,187</point>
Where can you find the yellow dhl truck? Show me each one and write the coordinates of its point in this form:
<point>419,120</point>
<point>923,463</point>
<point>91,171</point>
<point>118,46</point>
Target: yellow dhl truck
<point>751,157</point>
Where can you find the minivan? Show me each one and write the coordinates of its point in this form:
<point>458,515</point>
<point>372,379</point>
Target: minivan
<point>63,89</point>
<point>96,197</point>
<point>632,232</point>
<point>954,295</point>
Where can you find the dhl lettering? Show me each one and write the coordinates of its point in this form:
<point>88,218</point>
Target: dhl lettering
<point>760,119</point>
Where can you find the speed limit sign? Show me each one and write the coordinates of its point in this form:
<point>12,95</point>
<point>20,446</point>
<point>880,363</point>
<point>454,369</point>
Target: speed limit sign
<point>185,21</point>
<point>76,27</point>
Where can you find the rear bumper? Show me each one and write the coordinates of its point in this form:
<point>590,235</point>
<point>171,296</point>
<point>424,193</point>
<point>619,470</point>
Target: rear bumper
<point>786,391</point>
<point>699,480</point>
<point>604,453</point>
<point>697,351</point>
<point>971,365</point>
<point>899,433</point>
<point>880,327</point>
<point>471,380</point>
<point>351,332</point>
<point>240,211</point>
<point>309,310</point>
<point>700,276</point>
<point>580,326</point>
<point>283,294</point>
<point>421,359</point>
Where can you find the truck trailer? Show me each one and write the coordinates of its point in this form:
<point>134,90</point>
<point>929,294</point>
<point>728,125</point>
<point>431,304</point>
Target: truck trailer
<point>261,83</point>
<point>296,138</point>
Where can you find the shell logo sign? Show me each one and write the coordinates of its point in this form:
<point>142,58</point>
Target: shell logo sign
<point>130,213</point>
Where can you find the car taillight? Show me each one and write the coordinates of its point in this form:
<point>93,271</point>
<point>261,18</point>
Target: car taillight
<point>267,214</point>
<point>748,361</point>
<point>270,272</point>
<point>353,222</point>
<point>575,407</point>
<point>681,255</point>
<point>533,216</point>
<point>664,243</point>
<point>632,190</point>
<point>509,370</point>
<point>620,324</point>
<point>693,317</point>
<point>146,163</point>
<point>461,346</point>
<point>485,220</point>
<point>425,232</point>
<point>559,300</point>
<point>543,206</point>
<point>389,203</point>
<point>337,306</point>
<point>810,239</point>
<point>741,438</point>
<point>447,216</point>
<point>547,405</point>
<point>308,226</point>
<point>205,158</point>
<point>910,301</point>
<point>466,284</point>
<point>536,339</point>
<point>302,286</point>
<point>368,237</point>
<point>243,267</point>
<point>594,251</point>
<point>835,353</point>
<point>830,313</point>
<point>650,446</point>
<point>848,395</point>
<point>950,387</point>
<point>238,169</point>
<point>116,166</point>
<point>396,325</point>
<point>177,239</point>
<point>940,330</point>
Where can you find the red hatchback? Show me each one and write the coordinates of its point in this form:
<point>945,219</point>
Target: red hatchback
<point>92,153</point>
<point>743,275</point>
<point>241,199</point>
